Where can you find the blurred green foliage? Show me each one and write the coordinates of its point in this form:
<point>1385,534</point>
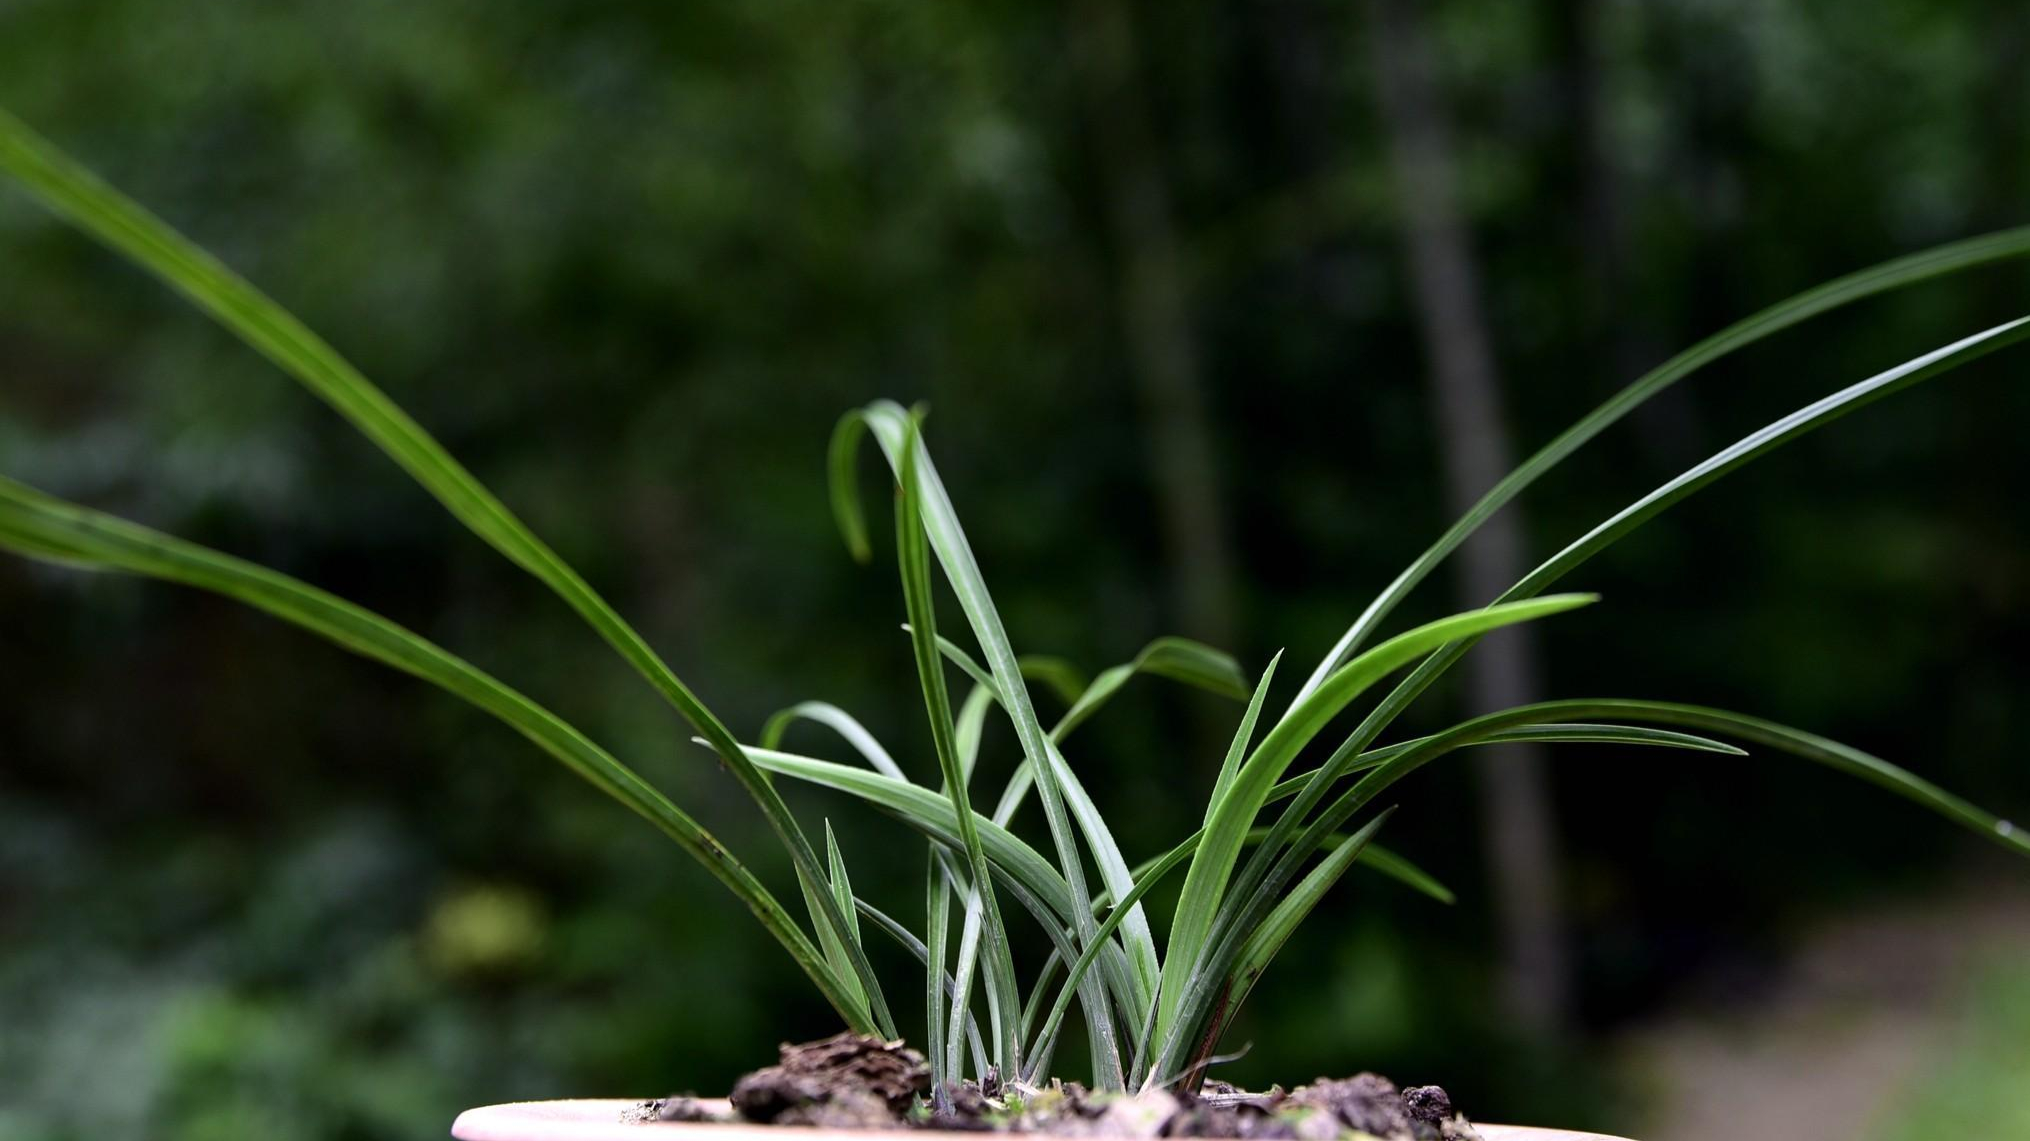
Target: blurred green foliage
<point>630,260</point>
<point>1973,1085</point>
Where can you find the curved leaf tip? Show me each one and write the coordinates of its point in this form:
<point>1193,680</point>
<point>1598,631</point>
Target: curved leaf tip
<point>847,513</point>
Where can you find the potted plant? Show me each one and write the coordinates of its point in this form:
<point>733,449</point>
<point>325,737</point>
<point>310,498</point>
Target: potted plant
<point>1151,1010</point>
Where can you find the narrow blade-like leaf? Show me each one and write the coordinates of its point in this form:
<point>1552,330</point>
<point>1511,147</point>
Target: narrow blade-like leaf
<point>40,525</point>
<point>1206,881</point>
<point>838,721</point>
<point>892,428</point>
<point>1294,908</point>
<point>77,194</point>
<point>1243,737</point>
<point>1758,443</point>
<point>936,933</point>
<point>1179,659</point>
<point>908,941</point>
<point>1041,889</point>
<point>1894,274</point>
<point>1005,1003</point>
<point>1796,742</point>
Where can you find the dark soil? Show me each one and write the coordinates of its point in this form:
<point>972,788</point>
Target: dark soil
<point>854,1082</point>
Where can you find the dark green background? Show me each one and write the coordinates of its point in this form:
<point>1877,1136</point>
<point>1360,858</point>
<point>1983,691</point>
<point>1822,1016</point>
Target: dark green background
<point>630,261</point>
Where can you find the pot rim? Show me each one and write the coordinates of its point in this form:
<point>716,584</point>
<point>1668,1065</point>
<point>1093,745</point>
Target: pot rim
<point>598,1119</point>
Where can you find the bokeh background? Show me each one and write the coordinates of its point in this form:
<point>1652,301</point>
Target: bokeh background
<point>1164,273</point>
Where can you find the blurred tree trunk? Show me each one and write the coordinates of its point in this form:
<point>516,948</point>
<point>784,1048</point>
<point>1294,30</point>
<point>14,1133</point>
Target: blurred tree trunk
<point>1466,404</point>
<point>1156,315</point>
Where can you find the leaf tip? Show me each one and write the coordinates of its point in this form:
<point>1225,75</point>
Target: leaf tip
<point>846,512</point>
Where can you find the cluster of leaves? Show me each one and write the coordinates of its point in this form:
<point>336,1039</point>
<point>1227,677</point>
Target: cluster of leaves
<point>1153,1012</point>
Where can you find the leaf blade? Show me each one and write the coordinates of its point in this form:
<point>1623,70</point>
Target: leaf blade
<point>838,721</point>
<point>1243,736</point>
<point>1005,1002</point>
<point>892,429</point>
<point>34,523</point>
<point>1206,880</point>
<point>1748,448</point>
<point>1886,276</point>
<point>73,192</point>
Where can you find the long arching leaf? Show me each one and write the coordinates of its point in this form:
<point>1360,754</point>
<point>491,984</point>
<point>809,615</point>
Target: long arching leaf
<point>1771,436</point>
<point>1882,278</point>
<point>1179,659</point>
<point>838,721</point>
<point>42,526</point>
<point>106,214</point>
<point>1808,746</point>
<point>1148,875</point>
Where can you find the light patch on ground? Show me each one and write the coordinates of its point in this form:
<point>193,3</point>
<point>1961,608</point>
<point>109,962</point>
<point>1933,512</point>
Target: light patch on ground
<point>1847,1045</point>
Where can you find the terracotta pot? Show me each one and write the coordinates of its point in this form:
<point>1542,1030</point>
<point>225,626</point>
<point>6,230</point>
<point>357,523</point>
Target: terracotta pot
<point>598,1119</point>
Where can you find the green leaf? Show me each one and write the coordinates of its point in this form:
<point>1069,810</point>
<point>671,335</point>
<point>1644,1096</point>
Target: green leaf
<point>1391,864</point>
<point>1758,443</point>
<point>838,721</point>
<point>842,887</point>
<point>1137,936</point>
<point>1832,754</point>
<point>1243,736</point>
<point>1012,857</point>
<point>1890,275</point>
<point>843,451</point>
<point>971,933</point>
<point>1397,868</point>
<point>1767,439</point>
<point>1294,908</point>
<point>1379,859</point>
<point>936,933</point>
<point>1179,659</point>
<point>1490,727</point>
<point>971,724</point>
<point>833,942</point>
<point>41,526</point>
<point>75,193</point>
<point>1195,664</point>
<point>1023,778</point>
<point>1005,1004</point>
<point>1052,963</point>
<point>892,429</point>
<point>944,1062</point>
<point>908,941</point>
<point>967,736</point>
<point>1030,877</point>
<point>1376,858</point>
<point>1131,901</point>
<point>929,812</point>
<point>1058,675</point>
<point>1798,743</point>
<point>1113,868</point>
<point>1206,881</point>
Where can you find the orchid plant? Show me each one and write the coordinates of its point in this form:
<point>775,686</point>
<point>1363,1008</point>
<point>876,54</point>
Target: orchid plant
<point>1153,1006</point>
